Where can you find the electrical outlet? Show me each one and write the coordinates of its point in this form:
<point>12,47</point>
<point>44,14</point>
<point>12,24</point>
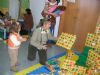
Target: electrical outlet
<point>72,1</point>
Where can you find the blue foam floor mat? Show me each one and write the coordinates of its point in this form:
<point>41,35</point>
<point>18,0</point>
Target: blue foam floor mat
<point>44,69</point>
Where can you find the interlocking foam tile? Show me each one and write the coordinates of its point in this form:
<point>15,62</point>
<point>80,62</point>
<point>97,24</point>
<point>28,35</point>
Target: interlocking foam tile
<point>66,40</point>
<point>97,30</point>
<point>36,69</point>
<point>93,58</point>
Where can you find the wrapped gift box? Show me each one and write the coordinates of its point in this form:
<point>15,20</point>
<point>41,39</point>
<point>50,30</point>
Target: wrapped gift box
<point>97,30</point>
<point>97,46</point>
<point>70,66</point>
<point>90,40</point>
<point>66,40</point>
<point>93,58</point>
<point>93,41</point>
<point>93,71</point>
<point>67,62</point>
<point>77,70</point>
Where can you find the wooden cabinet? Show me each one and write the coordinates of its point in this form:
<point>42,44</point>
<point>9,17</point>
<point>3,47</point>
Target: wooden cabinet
<point>98,21</point>
<point>80,18</point>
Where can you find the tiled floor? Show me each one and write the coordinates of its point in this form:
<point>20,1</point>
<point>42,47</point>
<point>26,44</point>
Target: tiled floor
<point>24,63</point>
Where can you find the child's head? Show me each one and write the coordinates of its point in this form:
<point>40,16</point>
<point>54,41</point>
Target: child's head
<point>15,27</point>
<point>46,24</point>
<point>52,2</point>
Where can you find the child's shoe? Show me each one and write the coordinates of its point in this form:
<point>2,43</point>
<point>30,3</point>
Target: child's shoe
<point>13,68</point>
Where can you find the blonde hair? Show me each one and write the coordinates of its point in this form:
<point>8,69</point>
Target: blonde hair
<point>15,27</point>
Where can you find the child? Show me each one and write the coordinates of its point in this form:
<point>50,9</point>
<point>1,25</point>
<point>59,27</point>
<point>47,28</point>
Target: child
<point>14,42</point>
<point>38,42</point>
<point>52,8</point>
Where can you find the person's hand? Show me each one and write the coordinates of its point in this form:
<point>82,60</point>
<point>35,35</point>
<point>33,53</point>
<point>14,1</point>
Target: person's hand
<point>21,38</point>
<point>44,47</point>
<point>54,15</point>
<point>24,39</point>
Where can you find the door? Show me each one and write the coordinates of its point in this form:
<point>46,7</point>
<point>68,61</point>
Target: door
<point>80,18</point>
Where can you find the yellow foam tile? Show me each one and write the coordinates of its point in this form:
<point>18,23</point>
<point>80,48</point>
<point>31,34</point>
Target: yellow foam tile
<point>27,70</point>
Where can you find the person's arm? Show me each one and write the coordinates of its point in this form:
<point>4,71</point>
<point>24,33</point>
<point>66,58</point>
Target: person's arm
<point>34,40</point>
<point>51,37</point>
<point>21,38</point>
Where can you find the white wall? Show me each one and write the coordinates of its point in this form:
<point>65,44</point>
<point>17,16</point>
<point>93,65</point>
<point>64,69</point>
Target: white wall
<point>13,9</point>
<point>36,7</point>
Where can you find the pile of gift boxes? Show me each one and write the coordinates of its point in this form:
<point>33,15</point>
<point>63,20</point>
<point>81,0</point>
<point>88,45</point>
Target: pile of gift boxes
<point>88,62</point>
